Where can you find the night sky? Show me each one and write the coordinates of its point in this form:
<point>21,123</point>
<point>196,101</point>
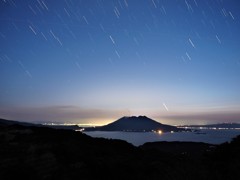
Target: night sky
<point>94,61</point>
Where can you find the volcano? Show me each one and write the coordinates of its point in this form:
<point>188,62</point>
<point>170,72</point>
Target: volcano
<point>135,124</point>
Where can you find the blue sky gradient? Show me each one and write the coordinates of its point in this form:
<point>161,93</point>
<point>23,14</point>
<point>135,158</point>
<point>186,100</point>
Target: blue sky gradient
<point>94,61</point>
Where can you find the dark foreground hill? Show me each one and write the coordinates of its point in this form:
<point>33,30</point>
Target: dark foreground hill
<point>136,124</point>
<point>40,153</point>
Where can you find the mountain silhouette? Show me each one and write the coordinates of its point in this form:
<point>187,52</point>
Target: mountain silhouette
<point>137,124</point>
<point>11,122</point>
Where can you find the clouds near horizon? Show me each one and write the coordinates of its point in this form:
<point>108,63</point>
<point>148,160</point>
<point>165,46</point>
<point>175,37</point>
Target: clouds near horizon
<point>78,115</point>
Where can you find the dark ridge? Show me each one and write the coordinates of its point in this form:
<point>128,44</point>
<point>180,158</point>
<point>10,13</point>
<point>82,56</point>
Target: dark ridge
<point>42,153</point>
<point>176,147</point>
<point>11,122</point>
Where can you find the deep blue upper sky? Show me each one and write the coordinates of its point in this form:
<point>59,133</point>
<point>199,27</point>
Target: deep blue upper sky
<point>93,61</point>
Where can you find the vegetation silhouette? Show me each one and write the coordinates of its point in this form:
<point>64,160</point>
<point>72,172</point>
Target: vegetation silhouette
<point>42,153</point>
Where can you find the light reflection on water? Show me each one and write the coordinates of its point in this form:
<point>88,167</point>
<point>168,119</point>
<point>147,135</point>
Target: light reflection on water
<point>139,138</point>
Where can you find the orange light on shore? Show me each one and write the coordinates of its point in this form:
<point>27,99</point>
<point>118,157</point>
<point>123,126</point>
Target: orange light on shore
<point>159,132</point>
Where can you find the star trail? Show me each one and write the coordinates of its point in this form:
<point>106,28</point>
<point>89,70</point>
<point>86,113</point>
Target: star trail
<point>93,61</point>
